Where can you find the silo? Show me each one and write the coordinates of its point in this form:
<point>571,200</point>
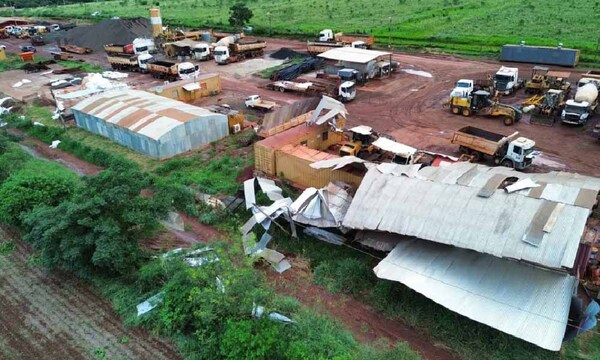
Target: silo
<point>156,21</point>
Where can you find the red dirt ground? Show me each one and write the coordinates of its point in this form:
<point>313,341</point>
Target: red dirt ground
<point>52,315</point>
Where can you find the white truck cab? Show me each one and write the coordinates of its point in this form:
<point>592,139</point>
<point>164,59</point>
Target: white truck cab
<point>326,35</point>
<point>143,60</point>
<point>506,80</point>
<point>462,88</point>
<point>575,113</point>
<point>201,51</point>
<point>520,152</point>
<point>347,91</point>
<point>54,27</point>
<point>143,46</point>
<point>221,54</point>
<point>187,70</point>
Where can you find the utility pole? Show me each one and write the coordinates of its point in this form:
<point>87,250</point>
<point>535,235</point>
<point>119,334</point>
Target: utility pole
<point>269,15</point>
<point>390,45</point>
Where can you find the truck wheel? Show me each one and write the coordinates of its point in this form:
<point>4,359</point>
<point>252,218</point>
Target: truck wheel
<point>508,121</point>
<point>281,89</point>
<point>507,163</point>
<point>466,112</point>
<point>455,110</point>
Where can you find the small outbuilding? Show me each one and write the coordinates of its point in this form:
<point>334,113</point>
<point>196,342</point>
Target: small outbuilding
<point>363,60</point>
<point>148,123</point>
<point>208,84</point>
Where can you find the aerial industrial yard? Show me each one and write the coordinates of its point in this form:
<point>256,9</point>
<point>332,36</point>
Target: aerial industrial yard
<point>219,194</point>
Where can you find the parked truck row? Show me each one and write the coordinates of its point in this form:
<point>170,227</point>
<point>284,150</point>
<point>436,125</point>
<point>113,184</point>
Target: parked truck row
<point>328,40</point>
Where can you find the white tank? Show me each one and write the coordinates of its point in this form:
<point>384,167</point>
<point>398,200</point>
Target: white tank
<point>588,93</point>
<point>228,40</point>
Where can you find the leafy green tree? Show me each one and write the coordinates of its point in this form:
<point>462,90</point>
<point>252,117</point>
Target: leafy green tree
<point>239,15</point>
<point>37,184</point>
<point>99,228</point>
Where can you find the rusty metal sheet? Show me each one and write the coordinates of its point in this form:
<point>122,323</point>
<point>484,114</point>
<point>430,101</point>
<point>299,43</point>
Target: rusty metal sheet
<point>586,198</point>
<point>535,233</point>
<point>491,185</point>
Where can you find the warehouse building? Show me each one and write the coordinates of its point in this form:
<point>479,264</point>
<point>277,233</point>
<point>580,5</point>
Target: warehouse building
<point>148,123</point>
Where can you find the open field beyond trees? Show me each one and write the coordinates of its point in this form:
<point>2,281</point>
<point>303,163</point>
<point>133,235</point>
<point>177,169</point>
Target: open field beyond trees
<point>471,27</point>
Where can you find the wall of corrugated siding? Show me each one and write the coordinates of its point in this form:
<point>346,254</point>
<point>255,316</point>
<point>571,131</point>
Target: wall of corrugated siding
<point>299,172</point>
<point>190,135</point>
<point>540,55</point>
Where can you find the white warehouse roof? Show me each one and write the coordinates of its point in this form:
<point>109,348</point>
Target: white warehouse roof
<point>142,112</point>
<point>355,55</point>
<point>518,299</point>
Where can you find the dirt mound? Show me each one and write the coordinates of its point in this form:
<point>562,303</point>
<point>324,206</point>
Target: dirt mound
<point>109,31</point>
<point>286,53</point>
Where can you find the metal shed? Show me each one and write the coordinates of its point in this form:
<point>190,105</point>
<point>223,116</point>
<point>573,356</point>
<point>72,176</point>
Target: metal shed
<point>362,60</point>
<point>540,55</point>
<point>148,123</point>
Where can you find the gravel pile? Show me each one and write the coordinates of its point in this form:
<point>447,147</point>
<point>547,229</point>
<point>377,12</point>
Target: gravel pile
<point>286,53</point>
<point>118,31</point>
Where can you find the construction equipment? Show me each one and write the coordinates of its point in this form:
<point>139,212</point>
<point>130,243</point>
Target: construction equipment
<point>256,102</point>
<point>61,55</point>
<point>360,143</point>
<point>545,108</point>
<point>536,84</point>
<point>173,71</point>
<point>510,151</point>
<point>332,87</point>
<point>202,51</point>
<point>543,80</point>
<point>507,81</point>
<point>239,50</point>
<point>578,110</point>
<point>37,40</point>
<point>357,40</point>
<point>76,49</point>
<point>480,103</point>
<point>135,63</point>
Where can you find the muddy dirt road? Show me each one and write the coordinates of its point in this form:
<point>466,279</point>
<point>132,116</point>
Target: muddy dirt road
<point>48,315</point>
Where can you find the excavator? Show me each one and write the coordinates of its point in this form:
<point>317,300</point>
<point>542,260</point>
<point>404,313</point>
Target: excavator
<point>481,103</point>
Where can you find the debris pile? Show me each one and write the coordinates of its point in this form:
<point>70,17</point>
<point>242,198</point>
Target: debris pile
<point>110,31</point>
<point>286,53</point>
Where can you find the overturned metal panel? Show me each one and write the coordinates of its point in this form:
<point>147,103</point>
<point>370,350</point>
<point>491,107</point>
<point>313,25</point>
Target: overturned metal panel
<point>328,109</point>
<point>381,241</point>
<point>540,55</point>
<point>489,290</point>
<point>455,215</point>
<point>284,114</point>
<point>337,163</point>
<point>394,147</point>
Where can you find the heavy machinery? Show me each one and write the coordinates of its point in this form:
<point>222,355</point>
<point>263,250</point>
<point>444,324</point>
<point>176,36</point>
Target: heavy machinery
<point>543,80</point>
<point>335,88</point>
<point>238,50</point>
<point>360,142</point>
<point>37,40</point>
<point>135,63</point>
<point>173,71</point>
<point>480,103</point>
<point>256,102</point>
<point>578,110</point>
<point>507,81</point>
<point>545,108</point>
<point>359,40</point>
<point>510,151</point>
<point>202,51</point>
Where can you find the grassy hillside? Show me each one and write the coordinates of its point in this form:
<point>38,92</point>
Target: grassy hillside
<point>464,26</point>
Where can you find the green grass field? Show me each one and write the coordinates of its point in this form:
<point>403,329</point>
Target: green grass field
<point>469,27</point>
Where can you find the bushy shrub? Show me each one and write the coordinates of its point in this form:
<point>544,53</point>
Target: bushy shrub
<point>348,275</point>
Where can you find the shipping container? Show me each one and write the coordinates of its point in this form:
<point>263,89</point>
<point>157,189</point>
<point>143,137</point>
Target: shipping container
<point>540,55</point>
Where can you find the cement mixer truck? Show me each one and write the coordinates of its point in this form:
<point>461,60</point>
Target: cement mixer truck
<point>578,110</point>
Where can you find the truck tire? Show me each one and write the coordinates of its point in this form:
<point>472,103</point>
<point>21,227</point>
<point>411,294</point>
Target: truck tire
<point>281,89</point>
<point>507,163</point>
<point>507,120</point>
<point>466,112</point>
<point>455,110</point>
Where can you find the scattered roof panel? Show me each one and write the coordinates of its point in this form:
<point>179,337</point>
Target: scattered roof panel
<point>489,290</point>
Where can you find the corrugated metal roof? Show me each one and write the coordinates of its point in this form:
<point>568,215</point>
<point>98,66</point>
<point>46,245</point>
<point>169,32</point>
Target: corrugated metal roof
<point>142,112</point>
<point>518,299</point>
<point>350,54</point>
<point>444,210</point>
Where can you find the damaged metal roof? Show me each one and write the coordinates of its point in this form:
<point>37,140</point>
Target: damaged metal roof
<point>461,205</point>
<point>489,290</point>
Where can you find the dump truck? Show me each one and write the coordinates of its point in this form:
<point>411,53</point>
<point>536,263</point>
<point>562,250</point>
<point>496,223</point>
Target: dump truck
<point>578,110</point>
<point>510,151</point>
<point>76,49</point>
<point>173,71</point>
<point>118,49</point>
<point>507,81</point>
<point>360,142</point>
<point>135,63</point>
<point>202,52</point>
<point>56,55</point>
<point>480,103</point>
<point>239,50</point>
<point>256,102</point>
<point>327,35</point>
<point>335,88</point>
